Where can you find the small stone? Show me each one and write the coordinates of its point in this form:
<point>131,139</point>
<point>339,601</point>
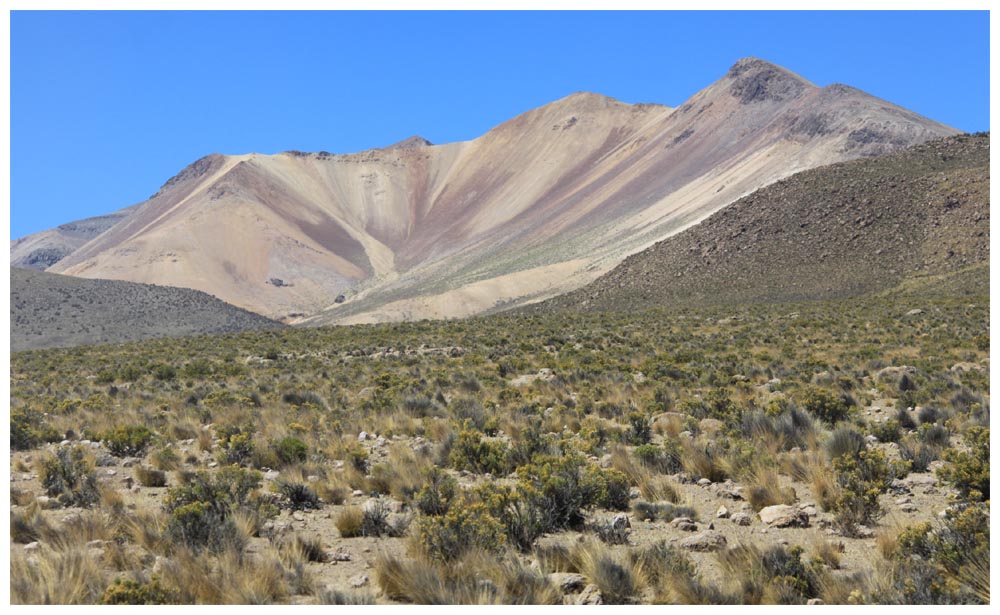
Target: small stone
<point>810,510</point>
<point>903,500</point>
<point>741,518</point>
<point>915,312</point>
<point>358,493</point>
<point>863,531</point>
<point>213,464</point>
<point>362,436</point>
<point>704,482</point>
<point>359,581</point>
<point>312,478</point>
<point>64,443</point>
<point>722,513</point>
<point>568,582</point>
<point>590,595</point>
<point>908,508</point>
<point>111,472</point>
<point>340,555</point>
<point>271,474</point>
<point>32,546</point>
<point>814,602</point>
<point>298,516</point>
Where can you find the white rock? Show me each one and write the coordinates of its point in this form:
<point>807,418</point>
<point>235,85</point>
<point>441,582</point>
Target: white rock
<point>722,513</point>
<point>782,515</point>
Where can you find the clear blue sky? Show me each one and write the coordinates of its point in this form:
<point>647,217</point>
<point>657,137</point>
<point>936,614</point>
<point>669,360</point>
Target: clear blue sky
<point>107,106</point>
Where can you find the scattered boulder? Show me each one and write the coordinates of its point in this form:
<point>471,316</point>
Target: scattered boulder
<point>741,518</point>
<point>783,515</point>
<point>722,513</point>
<point>709,540</point>
<point>684,524</point>
<point>895,372</point>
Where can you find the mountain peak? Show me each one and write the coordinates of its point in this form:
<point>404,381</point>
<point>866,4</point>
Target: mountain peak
<point>410,143</point>
<point>755,80</point>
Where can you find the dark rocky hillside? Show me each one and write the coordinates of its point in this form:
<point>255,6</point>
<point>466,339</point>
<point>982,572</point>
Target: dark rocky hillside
<point>842,230</point>
<point>49,310</point>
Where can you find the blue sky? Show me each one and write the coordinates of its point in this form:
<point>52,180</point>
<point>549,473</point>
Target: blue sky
<point>107,106</point>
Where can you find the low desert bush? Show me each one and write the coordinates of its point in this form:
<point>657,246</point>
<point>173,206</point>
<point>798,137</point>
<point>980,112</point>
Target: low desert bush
<point>969,471</point>
<point>128,440</point>
<point>133,592</point>
<point>69,477</point>
<point>465,527</point>
<point>861,479</point>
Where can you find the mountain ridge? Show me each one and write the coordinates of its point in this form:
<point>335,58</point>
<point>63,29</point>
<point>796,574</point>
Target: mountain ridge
<point>539,205</point>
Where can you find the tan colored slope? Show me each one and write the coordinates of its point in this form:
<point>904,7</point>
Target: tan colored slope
<point>539,205</point>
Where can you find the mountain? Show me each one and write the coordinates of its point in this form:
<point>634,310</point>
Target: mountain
<point>913,218</point>
<point>42,250</point>
<point>540,205</point>
<point>49,310</point>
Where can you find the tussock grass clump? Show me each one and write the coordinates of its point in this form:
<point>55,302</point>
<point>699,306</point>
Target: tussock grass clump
<point>56,576</point>
<point>349,522</point>
<point>298,496</point>
<point>618,579</point>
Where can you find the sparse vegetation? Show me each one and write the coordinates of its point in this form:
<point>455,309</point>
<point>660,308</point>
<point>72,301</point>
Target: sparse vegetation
<point>460,477</point>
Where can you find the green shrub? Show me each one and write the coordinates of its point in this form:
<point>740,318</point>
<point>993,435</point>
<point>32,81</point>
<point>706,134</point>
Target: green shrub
<point>825,406</point>
<point>437,494</point>
<point>128,440</point>
<point>947,564</point>
<point>474,453</point>
<point>465,527</point>
<point>639,430</point>
<point>129,591</point>
<point>198,526</point>
<point>969,471</point>
<point>69,477</point>
<point>164,372</point>
<point>861,478</point>
<point>237,448</point>
<point>291,450</point>
<point>226,490</point>
<point>28,429</point>
<point>888,431</point>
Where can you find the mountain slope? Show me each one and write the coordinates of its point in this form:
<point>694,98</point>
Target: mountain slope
<point>42,250</point>
<point>842,230</point>
<point>48,310</point>
<point>538,206</point>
